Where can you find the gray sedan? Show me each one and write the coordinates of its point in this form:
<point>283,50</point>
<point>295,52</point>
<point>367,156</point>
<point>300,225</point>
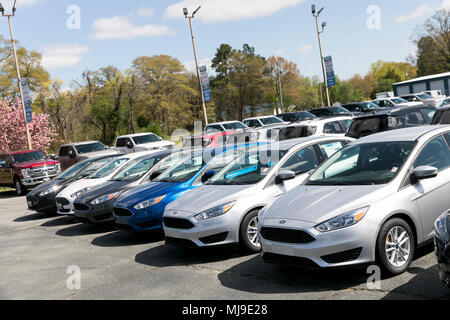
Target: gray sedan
<point>225,210</point>
<point>374,200</point>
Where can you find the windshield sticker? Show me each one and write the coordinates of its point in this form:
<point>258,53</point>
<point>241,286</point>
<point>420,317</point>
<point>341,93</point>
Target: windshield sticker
<point>241,172</point>
<point>394,169</point>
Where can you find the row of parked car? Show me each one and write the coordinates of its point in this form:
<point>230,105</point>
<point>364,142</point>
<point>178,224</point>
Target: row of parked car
<point>303,197</point>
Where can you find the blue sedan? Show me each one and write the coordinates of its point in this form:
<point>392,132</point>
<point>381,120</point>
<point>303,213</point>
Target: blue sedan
<point>142,208</point>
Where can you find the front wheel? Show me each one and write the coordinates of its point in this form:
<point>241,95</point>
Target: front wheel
<point>395,246</point>
<point>20,189</point>
<point>249,239</point>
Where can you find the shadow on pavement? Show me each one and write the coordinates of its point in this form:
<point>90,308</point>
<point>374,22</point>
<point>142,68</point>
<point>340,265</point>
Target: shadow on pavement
<point>166,256</point>
<point>122,239</point>
<point>8,194</point>
<point>82,229</point>
<point>34,216</point>
<point>62,221</point>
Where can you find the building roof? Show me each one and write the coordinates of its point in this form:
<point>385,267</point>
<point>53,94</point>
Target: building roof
<point>424,78</point>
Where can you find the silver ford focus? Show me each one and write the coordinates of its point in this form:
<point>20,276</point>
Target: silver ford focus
<point>225,209</point>
<point>373,201</point>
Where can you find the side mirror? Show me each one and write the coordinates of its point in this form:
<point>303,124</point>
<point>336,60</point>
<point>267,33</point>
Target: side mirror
<point>2,164</point>
<point>129,145</point>
<point>424,172</point>
<point>53,156</point>
<point>284,175</point>
<point>72,154</point>
<point>154,175</point>
<point>207,175</point>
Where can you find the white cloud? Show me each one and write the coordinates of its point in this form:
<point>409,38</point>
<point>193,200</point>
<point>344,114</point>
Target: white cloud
<point>220,10</point>
<point>63,55</point>
<point>304,49</point>
<point>145,12</point>
<point>419,12</point>
<point>123,28</point>
<point>190,66</point>
<point>445,5</point>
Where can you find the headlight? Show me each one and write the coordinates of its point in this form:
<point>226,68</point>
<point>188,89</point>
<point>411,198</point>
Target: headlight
<point>25,172</point>
<point>48,191</point>
<point>104,198</point>
<point>215,212</point>
<point>441,227</point>
<point>149,202</point>
<point>342,221</point>
<point>79,192</point>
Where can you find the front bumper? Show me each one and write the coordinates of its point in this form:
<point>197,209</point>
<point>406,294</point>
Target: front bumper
<point>89,213</point>
<point>45,203</point>
<point>34,181</point>
<point>188,232</point>
<point>442,252</point>
<point>64,206</point>
<point>344,247</point>
<point>142,220</point>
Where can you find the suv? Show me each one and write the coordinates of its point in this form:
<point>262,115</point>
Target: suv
<point>359,108</point>
<point>391,119</point>
<point>142,142</point>
<point>71,153</point>
<point>395,102</point>
<point>426,99</point>
<point>26,169</point>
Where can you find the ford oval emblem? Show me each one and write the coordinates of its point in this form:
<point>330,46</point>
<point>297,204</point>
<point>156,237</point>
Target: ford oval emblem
<point>282,221</point>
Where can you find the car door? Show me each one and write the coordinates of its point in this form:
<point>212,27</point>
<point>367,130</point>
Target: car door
<point>432,195</point>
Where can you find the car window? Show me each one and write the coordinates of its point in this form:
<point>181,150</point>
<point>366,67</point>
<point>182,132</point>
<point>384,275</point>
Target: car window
<point>147,138</point>
<point>333,127</point>
<point>64,151</point>
<point>213,128</point>
<point>253,124</point>
<point>91,147</point>
<point>329,148</point>
<point>234,125</point>
<point>301,161</point>
<point>429,112</point>
<point>135,169</point>
<point>270,120</point>
<point>122,142</point>
<point>108,168</point>
<point>321,112</point>
<point>413,118</point>
<point>435,153</point>
<point>28,156</point>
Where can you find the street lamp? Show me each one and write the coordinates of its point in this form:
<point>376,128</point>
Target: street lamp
<point>186,15</point>
<point>316,16</point>
<point>11,7</point>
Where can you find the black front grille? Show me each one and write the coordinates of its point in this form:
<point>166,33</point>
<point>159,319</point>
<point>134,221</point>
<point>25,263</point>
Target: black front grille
<point>62,201</point>
<point>219,237</point>
<point>286,235</point>
<point>289,260</point>
<point>180,242</point>
<point>80,206</point>
<point>177,223</point>
<point>122,212</point>
<point>343,256</point>
<point>148,224</point>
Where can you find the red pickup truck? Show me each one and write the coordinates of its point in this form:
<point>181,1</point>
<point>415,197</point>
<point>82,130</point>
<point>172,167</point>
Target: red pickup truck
<point>26,169</point>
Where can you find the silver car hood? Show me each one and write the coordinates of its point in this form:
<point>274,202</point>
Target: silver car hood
<point>207,197</point>
<point>317,204</point>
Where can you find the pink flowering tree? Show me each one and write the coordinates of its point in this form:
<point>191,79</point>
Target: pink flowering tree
<point>12,129</point>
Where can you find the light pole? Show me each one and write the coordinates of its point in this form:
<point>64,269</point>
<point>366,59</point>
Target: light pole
<point>13,11</point>
<point>279,89</point>
<point>185,12</point>
<point>316,16</point>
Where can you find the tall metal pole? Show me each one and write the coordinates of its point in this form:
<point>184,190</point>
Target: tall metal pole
<point>281,93</point>
<point>196,68</point>
<point>20,84</point>
<point>321,60</point>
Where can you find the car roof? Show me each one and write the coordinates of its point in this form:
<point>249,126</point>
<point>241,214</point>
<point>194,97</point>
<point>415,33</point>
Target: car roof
<point>328,119</point>
<point>222,122</point>
<point>261,117</point>
<point>109,155</point>
<point>288,144</point>
<point>136,135</point>
<point>393,111</point>
<point>78,143</point>
<point>405,134</point>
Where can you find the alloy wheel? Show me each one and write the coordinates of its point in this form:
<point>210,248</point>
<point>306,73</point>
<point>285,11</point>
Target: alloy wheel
<point>398,246</point>
<point>252,232</point>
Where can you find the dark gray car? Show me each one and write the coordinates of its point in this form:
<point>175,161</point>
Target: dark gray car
<point>96,206</point>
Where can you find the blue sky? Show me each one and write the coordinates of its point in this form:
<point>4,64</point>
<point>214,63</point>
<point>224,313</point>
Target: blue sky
<point>114,32</point>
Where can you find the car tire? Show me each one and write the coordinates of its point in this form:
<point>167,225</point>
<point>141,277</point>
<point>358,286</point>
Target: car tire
<point>247,231</point>
<point>391,255</point>
<point>20,188</point>
<point>445,278</point>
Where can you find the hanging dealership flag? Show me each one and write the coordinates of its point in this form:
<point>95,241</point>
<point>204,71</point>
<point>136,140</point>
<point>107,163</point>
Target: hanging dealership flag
<point>204,79</point>
<point>26,99</point>
<point>331,81</point>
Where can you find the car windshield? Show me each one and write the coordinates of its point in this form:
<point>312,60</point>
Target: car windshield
<point>297,116</point>
<point>135,169</point>
<point>369,105</point>
<point>234,125</point>
<point>398,100</point>
<point>28,156</point>
<point>339,110</point>
<point>90,147</point>
<point>148,138</point>
<point>185,166</point>
<point>270,120</point>
<point>424,96</point>
<point>72,171</point>
<point>107,169</point>
<point>363,164</point>
<point>248,168</point>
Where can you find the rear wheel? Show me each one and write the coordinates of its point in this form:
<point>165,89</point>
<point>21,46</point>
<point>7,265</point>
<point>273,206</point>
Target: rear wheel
<point>20,188</point>
<point>395,246</point>
<point>249,240</point>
